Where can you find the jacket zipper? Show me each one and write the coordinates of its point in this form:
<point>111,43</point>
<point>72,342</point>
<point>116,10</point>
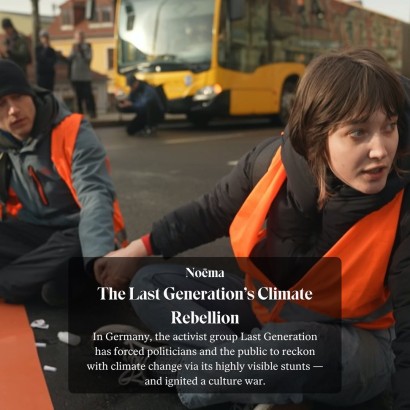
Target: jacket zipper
<point>39,187</point>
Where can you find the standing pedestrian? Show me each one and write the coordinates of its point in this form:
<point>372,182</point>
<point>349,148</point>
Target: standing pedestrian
<point>16,46</point>
<point>46,58</point>
<point>80,73</point>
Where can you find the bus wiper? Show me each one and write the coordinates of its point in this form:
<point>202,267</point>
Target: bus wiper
<point>152,66</point>
<point>130,68</point>
<point>166,66</point>
<point>198,67</point>
<point>165,58</point>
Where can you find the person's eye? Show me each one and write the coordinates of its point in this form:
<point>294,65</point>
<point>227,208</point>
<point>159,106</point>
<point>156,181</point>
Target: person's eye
<point>16,97</point>
<point>391,126</point>
<point>356,133</point>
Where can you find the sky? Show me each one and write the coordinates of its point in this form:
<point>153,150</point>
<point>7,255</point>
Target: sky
<point>24,6</point>
<point>399,9</point>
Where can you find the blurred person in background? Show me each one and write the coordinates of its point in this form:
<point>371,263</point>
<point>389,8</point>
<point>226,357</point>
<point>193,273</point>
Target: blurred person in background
<point>145,102</point>
<point>46,58</point>
<point>16,46</point>
<point>80,73</point>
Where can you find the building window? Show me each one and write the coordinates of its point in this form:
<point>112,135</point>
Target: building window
<point>66,18</point>
<point>110,58</point>
<point>105,14</point>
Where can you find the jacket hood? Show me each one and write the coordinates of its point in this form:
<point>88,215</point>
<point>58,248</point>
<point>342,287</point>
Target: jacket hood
<point>49,111</point>
<point>404,130</point>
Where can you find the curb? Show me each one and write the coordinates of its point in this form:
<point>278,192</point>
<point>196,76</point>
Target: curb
<point>114,120</point>
<point>107,123</point>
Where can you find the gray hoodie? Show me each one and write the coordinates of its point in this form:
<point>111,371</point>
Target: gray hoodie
<point>80,60</point>
<point>31,166</point>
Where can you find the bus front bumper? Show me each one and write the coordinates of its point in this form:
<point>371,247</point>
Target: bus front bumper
<point>216,107</point>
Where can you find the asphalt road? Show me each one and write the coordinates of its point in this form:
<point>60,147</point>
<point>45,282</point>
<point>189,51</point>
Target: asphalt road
<point>153,175</point>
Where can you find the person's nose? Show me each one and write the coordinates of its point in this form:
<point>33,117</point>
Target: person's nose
<point>13,109</point>
<point>378,148</point>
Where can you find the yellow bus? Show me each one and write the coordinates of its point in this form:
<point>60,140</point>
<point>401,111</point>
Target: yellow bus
<point>217,58</point>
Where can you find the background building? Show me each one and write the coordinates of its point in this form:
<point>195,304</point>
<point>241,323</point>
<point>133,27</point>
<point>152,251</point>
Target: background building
<point>24,22</point>
<point>99,32</point>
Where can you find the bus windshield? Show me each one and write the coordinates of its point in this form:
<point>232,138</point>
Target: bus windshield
<point>165,35</point>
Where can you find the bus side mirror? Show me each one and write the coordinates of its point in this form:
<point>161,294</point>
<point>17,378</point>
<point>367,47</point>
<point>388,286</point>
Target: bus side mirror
<point>90,10</point>
<point>236,9</point>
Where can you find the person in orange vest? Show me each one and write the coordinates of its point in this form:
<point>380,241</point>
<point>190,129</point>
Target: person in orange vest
<point>57,200</point>
<point>332,197</point>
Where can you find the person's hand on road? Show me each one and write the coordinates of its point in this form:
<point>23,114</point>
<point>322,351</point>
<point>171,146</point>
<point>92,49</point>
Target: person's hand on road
<point>117,268</point>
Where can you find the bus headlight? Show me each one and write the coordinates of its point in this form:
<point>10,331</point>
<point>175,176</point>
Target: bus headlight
<point>207,93</point>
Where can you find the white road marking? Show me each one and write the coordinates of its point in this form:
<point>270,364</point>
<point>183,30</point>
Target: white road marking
<point>232,163</point>
<point>206,138</point>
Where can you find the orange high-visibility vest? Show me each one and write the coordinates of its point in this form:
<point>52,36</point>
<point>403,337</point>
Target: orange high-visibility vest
<point>63,140</point>
<point>364,251</point>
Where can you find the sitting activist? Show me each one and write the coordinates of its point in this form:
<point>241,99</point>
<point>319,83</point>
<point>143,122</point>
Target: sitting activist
<point>57,198</point>
<point>333,185</point>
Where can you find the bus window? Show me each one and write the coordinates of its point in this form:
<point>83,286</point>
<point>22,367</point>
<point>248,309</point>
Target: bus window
<point>129,10</point>
<point>174,32</point>
<point>195,41</point>
<point>224,38</point>
<point>258,53</point>
<point>236,39</point>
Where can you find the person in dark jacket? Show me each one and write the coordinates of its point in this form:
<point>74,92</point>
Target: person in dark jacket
<point>16,45</point>
<point>57,198</point>
<point>46,59</point>
<point>336,184</point>
<point>144,101</point>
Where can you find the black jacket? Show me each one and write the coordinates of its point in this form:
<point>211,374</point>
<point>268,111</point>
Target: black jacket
<point>46,58</point>
<point>301,230</point>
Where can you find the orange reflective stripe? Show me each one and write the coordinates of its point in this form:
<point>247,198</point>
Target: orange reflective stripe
<point>120,233</point>
<point>364,251</point>
<point>247,227</point>
<point>13,204</point>
<point>62,149</point>
<point>366,248</point>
